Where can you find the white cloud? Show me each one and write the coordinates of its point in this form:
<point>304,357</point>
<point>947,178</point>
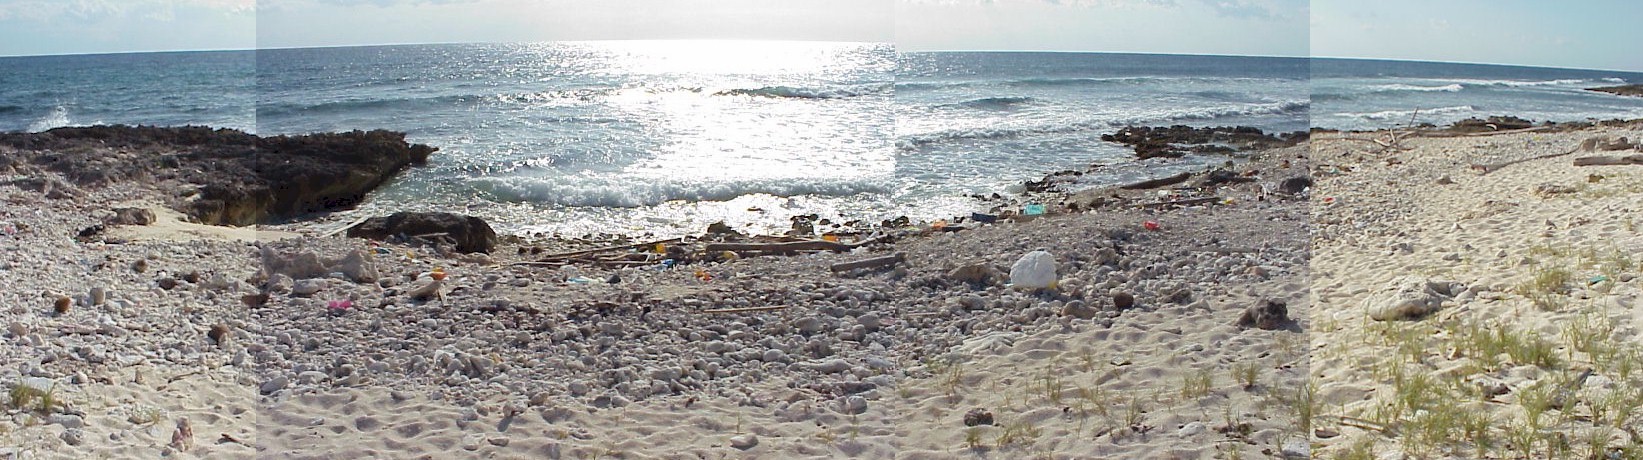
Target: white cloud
<point>161,10</point>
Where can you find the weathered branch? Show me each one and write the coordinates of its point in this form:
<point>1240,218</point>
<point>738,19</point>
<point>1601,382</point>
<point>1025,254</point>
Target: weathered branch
<point>869,263</point>
<point>1160,182</point>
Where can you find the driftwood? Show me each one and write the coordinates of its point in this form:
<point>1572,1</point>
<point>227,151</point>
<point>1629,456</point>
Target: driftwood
<point>573,254</point>
<point>1482,134</point>
<point>1610,160</point>
<point>1489,168</point>
<point>793,247</point>
<point>742,310</point>
<point>1186,202</point>
<point>1160,182</point>
<point>869,263</point>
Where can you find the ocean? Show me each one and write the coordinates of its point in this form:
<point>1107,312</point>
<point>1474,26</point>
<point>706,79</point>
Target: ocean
<point>662,138</point>
<point>1360,94</point>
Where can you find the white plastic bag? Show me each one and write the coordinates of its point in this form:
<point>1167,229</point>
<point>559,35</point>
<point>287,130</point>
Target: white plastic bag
<point>1035,270</point>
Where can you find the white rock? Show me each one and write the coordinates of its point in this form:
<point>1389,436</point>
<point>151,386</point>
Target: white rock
<point>1192,429</point>
<point>744,441</point>
<point>307,287</point>
<point>1409,297</point>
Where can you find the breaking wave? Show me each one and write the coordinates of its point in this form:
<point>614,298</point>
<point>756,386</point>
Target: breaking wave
<point>640,192</point>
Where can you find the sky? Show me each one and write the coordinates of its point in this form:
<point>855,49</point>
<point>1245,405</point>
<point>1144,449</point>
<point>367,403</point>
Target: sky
<point>301,23</point>
<point>1586,34</point>
<point>31,27</point>
<point>1237,27</point>
<point>1597,34</point>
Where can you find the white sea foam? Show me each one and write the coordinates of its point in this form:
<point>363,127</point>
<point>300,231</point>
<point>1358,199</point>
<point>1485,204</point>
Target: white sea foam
<point>1404,114</point>
<point>634,192</point>
<point>1402,87</point>
<point>1516,83</point>
<point>57,118</point>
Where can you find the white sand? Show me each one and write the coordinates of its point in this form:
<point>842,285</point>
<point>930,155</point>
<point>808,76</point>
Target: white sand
<point>1392,217</point>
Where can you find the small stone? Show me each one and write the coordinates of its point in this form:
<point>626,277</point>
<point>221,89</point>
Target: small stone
<point>578,388</point>
<point>66,420</point>
<point>870,321</point>
<point>74,436</point>
<point>1445,180</point>
<point>774,355</point>
<point>1078,309</point>
<point>167,283</point>
<point>98,295</point>
<point>1267,315</point>
<point>854,405</point>
<point>307,287</point>
<point>1123,300</point>
<point>139,266</point>
<point>977,417</point>
<point>1296,449</point>
<point>473,441</point>
<point>498,441</point>
<point>275,385</point>
<point>807,325</point>
<point>62,304</point>
<point>744,441</point>
<point>979,274</point>
<point>17,329</point>
<point>1192,429</point>
<point>218,333</point>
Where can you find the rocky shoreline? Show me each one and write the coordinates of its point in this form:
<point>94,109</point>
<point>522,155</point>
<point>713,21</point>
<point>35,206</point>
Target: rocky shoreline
<point>1622,90</point>
<point>457,341</point>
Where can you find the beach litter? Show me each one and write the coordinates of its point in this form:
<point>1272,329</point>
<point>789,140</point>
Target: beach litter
<point>1035,270</point>
<point>1033,210</point>
<point>1151,226</point>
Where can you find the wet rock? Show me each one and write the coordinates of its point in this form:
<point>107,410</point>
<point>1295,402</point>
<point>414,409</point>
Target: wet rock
<point>1268,315</point>
<point>470,234</point>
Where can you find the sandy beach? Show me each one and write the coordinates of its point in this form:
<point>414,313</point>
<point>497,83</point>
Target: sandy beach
<point>1471,305</point>
<point>183,339</point>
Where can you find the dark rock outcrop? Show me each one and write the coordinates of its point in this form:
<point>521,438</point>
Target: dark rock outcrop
<point>228,177</point>
<point>1494,123</point>
<point>1178,140</point>
<point>471,234</point>
<point>1622,90</point>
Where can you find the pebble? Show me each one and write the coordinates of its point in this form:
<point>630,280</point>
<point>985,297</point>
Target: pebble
<point>855,404</point>
<point>1192,429</point>
<point>73,436</point>
<point>307,287</point>
<point>98,295</point>
<point>744,441</point>
<point>275,384</point>
<point>774,356</point>
<point>66,420</point>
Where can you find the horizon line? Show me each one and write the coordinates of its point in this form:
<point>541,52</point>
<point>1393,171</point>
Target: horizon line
<point>220,50</point>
